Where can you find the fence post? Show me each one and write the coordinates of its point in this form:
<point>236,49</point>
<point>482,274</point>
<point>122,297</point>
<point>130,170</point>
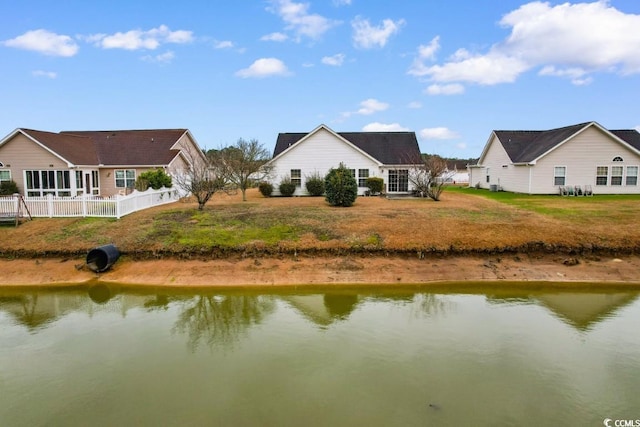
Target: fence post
<point>84,205</point>
<point>16,204</point>
<point>50,205</point>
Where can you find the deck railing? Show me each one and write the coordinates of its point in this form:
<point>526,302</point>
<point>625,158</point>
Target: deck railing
<point>84,206</point>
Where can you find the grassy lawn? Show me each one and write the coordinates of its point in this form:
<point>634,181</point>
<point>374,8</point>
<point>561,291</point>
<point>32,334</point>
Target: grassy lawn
<point>464,220</point>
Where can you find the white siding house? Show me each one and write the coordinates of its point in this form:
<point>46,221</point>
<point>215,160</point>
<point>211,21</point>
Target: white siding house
<point>385,155</point>
<point>542,162</point>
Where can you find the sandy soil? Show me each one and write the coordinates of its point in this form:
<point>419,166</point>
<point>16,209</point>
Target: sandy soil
<point>297,271</point>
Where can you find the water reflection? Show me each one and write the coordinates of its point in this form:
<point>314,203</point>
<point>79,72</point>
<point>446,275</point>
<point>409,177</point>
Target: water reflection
<point>221,319</point>
<point>338,356</point>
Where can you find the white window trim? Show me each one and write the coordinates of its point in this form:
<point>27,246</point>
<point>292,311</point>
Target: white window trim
<point>558,176</point>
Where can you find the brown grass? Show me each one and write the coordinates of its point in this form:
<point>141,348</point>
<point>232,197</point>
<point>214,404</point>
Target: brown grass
<point>461,222</point>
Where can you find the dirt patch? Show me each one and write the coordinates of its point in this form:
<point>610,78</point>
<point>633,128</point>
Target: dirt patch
<point>300,271</point>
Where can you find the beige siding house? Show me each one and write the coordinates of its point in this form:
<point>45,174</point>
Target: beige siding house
<point>102,163</point>
<point>386,155</point>
<point>578,157</point>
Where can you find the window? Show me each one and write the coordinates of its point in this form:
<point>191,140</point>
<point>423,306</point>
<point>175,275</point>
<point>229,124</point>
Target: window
<point>398,180</point>
<point>363,174</point>
<point>5,175</point>
<point>616,175</point>
<point>353,172</point>
<point>296,177</point>
<point>125,178</point>
<point>41,183</point>
<point>559,175</point>
<point>632,175</point>
<point>602,174</point>
<point>488,176</point>
<point>95,182</point>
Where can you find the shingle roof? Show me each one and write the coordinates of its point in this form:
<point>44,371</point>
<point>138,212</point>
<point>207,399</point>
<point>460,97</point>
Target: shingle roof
<point>526,146</point>
<point>112,148</point>
<point>390,148</point>
<point>133,147</point>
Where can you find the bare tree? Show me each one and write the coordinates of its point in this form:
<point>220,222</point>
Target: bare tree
<point>197,177</point>
<point>243,163</point>
<point>429,176</point>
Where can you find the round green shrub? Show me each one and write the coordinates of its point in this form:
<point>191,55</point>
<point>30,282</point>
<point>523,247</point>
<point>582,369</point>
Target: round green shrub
<point>286,187</point>
<point>8,188</point>
<point>155,179</point>
<point>265,189</point>
<point>375,185</point>
<point>315,185</point>
<point>341,188</point>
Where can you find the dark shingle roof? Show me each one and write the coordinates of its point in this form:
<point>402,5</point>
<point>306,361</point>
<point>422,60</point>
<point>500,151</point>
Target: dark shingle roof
<point>133,147</point>
<point>526,146</point>
<point>389,148</point>
<point>75,149</point>
<point>112,148</point>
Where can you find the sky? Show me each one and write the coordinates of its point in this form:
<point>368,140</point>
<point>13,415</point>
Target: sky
<point>452,71</point>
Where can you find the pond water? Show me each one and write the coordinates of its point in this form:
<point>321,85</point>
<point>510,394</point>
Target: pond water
<point>495,356</point>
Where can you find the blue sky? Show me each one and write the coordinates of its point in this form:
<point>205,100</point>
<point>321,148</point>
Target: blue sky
<point>452,71</point>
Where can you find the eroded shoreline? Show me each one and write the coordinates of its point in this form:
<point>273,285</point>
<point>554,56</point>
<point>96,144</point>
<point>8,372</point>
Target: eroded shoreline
<point>326,270</point>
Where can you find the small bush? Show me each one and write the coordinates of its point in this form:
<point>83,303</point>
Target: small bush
<point>315,185</point>
<point>286,187</point>
<point>155,179</point>
<point>265,189</point>
<point>375,185</point>
<point>8,188</point>
<point>341,187</point>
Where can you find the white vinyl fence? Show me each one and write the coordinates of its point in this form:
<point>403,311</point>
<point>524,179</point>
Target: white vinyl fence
<point>84,206</point>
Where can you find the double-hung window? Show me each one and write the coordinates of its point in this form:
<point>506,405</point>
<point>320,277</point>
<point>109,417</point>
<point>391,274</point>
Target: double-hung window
<point>602,175</point>
<point>5,175</point>
<point>632,175</point>
<point>296,177</point>
<point>616,175</point>
<point>559,175</point>
<point>363,174</point>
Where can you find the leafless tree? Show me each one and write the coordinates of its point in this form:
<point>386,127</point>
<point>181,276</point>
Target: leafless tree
<point>197,177</point>
<point>429,175</point>
<point>243,163</point>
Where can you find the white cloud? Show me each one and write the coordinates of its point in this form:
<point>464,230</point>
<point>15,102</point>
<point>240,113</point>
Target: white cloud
<point>335,60</point>
<point>438,133</point>
<point>163,58</point>
<point>264,67</point>
<point>414,105</point>
<point>567,40</point>
<point>298,19</point>
<point>225,44</point>
<point>44,42</point>
<point>47,74</point>
<point>367,36</point>
<point>367,107</point>
<point>275,37</point>
<point>448,89</point>
<point>425,53</point>
<point>138,39</point>
<point>341,2</point>
<point>382,127</point>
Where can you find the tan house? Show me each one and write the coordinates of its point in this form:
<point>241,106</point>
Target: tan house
<point>102,163</point>
<point>582,156</point>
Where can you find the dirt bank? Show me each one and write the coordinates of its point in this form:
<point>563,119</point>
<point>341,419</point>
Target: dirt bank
<point>284,271</point>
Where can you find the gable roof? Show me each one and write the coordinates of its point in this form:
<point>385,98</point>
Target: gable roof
<point>528,146</point>
<point>133,147</point>
<point>390,148</point>
<point>153,147</point>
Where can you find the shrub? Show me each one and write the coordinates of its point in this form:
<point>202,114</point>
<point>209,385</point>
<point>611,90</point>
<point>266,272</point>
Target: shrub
<point>155,179</point>
<point>8,188</point>
<point>315,185</point>
<point>265,189</point>
<point>286,187</point>
<point>375,185</point>
<point>341,187</point>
